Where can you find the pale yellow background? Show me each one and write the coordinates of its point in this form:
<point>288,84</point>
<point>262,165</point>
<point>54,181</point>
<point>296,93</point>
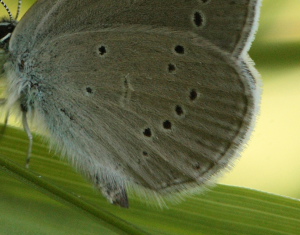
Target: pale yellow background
<point>271,161</point>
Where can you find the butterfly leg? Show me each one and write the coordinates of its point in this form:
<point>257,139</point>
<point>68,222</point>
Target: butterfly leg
<point>29,134</point>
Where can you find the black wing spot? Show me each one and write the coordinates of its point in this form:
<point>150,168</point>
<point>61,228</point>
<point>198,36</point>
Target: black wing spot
<point>167,124</point>
<point>179,49</point>
<point>198,19</point>
<point>102,50</point>
<point>89,90</point>
<point>179,110</point>
<point>193,94</point>
<point>147,132</point>
<point>171,68</point>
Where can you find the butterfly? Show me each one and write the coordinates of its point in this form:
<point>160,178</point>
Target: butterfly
<point>154,96</point>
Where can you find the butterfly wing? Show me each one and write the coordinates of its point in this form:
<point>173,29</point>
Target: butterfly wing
<point>139,100</point>
<point>226,23</point>
<point>158,108</point>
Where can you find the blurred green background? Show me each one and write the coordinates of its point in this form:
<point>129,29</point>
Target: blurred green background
<point>271,161</point>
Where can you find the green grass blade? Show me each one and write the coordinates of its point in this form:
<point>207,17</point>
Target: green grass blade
<point>52,187</point>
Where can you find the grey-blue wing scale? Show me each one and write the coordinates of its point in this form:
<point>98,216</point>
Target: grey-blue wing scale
<point>137,100</point>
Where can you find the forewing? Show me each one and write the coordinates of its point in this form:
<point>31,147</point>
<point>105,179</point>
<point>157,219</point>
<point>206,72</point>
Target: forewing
<point>226,23</point>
